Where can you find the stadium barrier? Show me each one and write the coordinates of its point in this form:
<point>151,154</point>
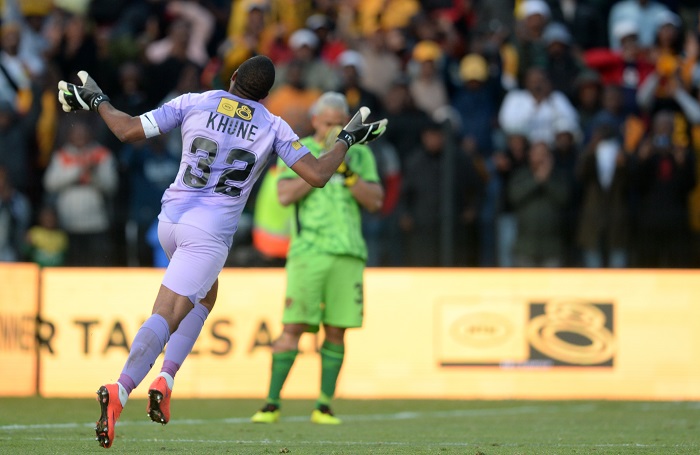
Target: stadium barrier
<point>429,333</point>
<point>19,307</point>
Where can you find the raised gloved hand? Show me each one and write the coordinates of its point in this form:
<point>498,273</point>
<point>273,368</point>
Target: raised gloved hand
<point>359,132</point>
<point>85,97</point>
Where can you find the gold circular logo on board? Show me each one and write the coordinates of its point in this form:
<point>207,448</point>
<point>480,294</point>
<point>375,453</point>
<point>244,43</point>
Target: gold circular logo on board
<point>583,320</point>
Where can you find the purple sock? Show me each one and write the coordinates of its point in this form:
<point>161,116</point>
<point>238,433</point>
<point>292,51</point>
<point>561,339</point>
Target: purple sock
<point>145,349</point>
<point>183,339</point>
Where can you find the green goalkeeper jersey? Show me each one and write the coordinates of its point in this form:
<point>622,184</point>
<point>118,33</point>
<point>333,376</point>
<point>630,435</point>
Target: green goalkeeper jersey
<point>328,220</point>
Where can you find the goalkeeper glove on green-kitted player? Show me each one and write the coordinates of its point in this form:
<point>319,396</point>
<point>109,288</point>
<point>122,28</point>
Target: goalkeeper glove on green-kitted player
<point>350,177</point>
<point>87,97</point>
<point>359,132</point>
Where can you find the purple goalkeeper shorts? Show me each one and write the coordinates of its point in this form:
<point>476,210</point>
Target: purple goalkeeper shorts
<point>196,259</point>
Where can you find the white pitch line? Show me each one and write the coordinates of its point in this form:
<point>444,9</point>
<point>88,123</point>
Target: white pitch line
<point>404,415</point>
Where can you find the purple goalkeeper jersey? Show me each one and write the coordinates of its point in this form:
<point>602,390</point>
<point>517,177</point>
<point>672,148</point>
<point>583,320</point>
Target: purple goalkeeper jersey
<point>227,142</point>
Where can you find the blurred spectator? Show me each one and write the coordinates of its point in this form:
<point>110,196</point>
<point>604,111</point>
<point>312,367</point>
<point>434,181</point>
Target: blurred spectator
<point>426,85</point>
<point>585,21</point>
<point>563,66</point>
<point>381,66</point>
<point>644,13</point>
<point>406,120</point>
<point>351,66</point>
<point>15,219</point>
<point>293,98</point>
<point>535,108</point>
<point>506,163</point>
<point>30,16</point>
<point>626,67</point>
<point>329,46</point>
<point>421,218</point>
<point>386,14</point>
<point>587,99</point>
<point>15,138</point>
<point>567,153</point>
<point>80,180</point>
<point>626,128</point>
<point>14,76</point>
<point>664,89</point>
<point>76,48</point>
<point>149,168</point>
<point>533,17</point>
<point>539,194</point>
<point>477,102</point>
<point>188,34</point>
<point>316,73</point>
<point>381,229</point>
<point>249,33</point>
<point>603,172</point>
<point>272,222</point>
<point>184,45</point>
<point>46,243</point>
<point>664,178</point>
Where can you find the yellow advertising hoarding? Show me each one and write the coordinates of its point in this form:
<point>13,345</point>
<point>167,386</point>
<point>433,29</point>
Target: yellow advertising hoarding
<point>430,333</point>
<point>19,305</point>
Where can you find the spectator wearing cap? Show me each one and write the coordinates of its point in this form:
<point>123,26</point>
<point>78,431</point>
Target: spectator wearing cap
<point>563,66</point>
<point>426,85</point>
<point>626,67</point>
<point>477,102</point>
<point>316,73</point>
<point>644,13</point>
<point>533,17</point>
<point>351,67</point>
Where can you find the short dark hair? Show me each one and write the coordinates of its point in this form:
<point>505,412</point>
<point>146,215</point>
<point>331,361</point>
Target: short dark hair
<point>256,76</point>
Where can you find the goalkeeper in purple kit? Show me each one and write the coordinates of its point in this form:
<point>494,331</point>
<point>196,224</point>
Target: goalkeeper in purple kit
<point>228,137</point>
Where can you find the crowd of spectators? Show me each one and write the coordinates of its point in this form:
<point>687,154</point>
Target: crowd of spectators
<point>571,128</point>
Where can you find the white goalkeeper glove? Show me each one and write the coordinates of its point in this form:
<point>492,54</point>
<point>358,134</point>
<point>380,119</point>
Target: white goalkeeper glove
<point>359,132</point>
<point>85,97</point>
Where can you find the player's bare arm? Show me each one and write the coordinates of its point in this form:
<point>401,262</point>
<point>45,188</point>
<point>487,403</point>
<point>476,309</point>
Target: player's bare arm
<point>291,190</point>
<point>89,97</point>
<point>370,195</point>
<point>317,171</point>
<point>124,126</point>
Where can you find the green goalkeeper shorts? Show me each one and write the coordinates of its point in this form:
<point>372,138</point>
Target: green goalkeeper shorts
<point>324,289</point>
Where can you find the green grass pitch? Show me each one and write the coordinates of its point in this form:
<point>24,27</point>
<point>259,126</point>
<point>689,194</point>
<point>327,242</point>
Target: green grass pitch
<point>205,426</point>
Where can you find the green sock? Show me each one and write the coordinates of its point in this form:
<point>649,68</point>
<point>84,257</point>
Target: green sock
<point>331,360</point>
<point>281,364</point>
